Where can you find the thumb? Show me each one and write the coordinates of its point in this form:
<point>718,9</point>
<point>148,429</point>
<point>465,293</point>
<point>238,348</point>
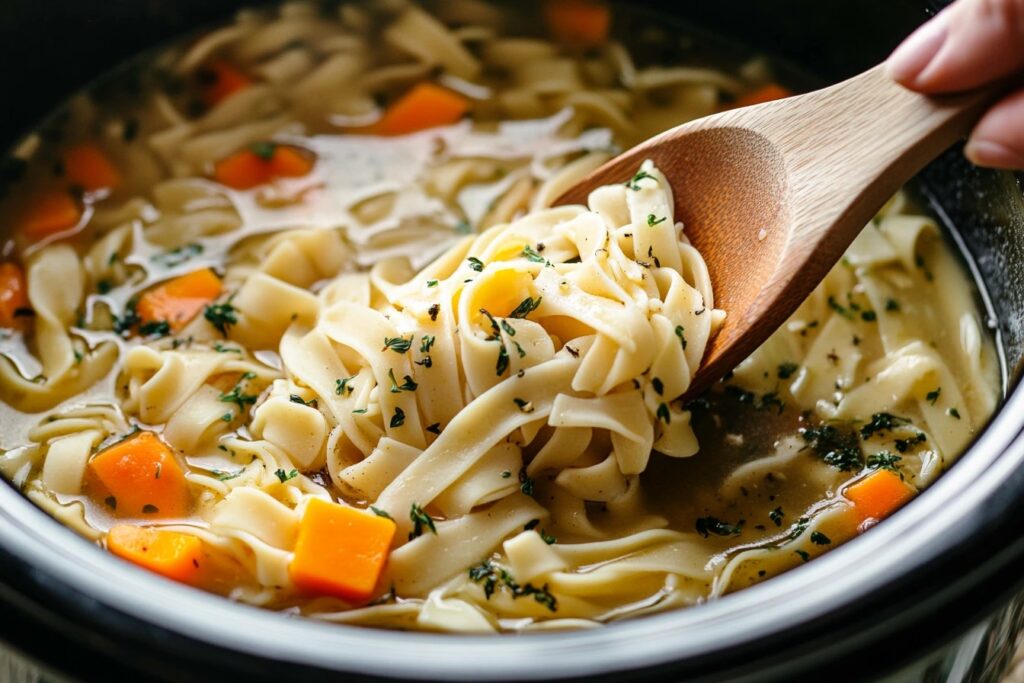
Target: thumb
<point>970,44</point>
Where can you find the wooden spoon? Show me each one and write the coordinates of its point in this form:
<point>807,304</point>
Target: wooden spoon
<point>773,194</point>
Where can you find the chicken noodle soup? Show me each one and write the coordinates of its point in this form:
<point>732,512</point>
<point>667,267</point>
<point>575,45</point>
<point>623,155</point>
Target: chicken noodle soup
<point>288,316</point>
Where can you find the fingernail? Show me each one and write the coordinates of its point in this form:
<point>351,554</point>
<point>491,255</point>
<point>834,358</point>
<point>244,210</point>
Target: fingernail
<point>993,155</point>
<point>914,53</point>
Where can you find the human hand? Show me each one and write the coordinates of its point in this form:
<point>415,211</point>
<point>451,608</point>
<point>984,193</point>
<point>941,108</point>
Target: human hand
<point>969,44</point>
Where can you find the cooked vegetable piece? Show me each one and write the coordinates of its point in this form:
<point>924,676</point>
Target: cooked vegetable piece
<point>340,551</point>
<point>219,80</point>
<point>878,495</point>
<point>179,300</point>
<point>767,93</point>
<point>578,22</point>
<point>173,554</point>
<point>13,295</point>
<point>139,477</point>
<point>425,106</point>
<point>260,163</point>
<point>49,214</point>
<point>88,167</point>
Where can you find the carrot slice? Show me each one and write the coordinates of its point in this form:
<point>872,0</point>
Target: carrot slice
<point>219,80</point>
<point>878,495</point>
<point>173,554</point>
<point>13,295</point>
<point>340,551</point>
<point>578,22</point>
<point>767,93</point>
<point>425,106</point>
<point>140,477</point>
<point>49,214</point>
<point>179,300</point>
<point>88,167</point>
<point>260,163</point>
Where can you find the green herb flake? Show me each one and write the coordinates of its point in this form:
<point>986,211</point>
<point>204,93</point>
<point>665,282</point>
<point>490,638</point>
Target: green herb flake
<point>818,538</point>
<point>491,576</point>
<point>475,264</point>
<point>633,183</point>
<point>431,283</point>
<point>426,342</point>
<point>342,386</point>
<point>933,396</point>
<point>525,307</point>
<point>434,428</point>
<point>221,316</point>
<point>397,344</point>
<point>380,513</point>
<point>884,461</point>
<point>776,516</point>
<point>663,413</point>
<point>681,333</point>
<point>881,422</point>
<point>421,522</point>
<point>398,419</point>
<point>285,476</point>
<point>869,316</point>
<point>658,386</point>
<point>264,150</point>
<point>713,525</point>
<point>786,370</point>
<point>804,555</point>
<point>525,483</point>
<point>836,447</point>
<point>892,306</point>
<point>532,255</point>
<point>953,412</point>
<point>653,220</point>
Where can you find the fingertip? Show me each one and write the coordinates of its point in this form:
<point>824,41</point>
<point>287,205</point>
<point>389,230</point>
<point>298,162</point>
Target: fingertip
<point>914,54</point>
<point>998,139</point>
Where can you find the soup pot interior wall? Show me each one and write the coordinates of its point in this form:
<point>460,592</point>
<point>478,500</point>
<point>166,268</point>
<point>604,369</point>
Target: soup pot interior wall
<point>62,45</point>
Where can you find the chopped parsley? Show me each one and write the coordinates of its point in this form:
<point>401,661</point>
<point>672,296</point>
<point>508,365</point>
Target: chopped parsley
<point>238,398</point>
<point>838,448</point>
<point>220,348</point>
<point>818,538</point>
<point>433,311</point>
<point>713,525</point>
<point>502,363</point>
<point>421,522</point>
<point>380,513</point>
<point>264,150</point>
<point>285,476</point>
<point>681,333</point>
<point>221,316</point>
<point>525,307</point>
<point>532,255</point>
<point>663,414</point>
<point>933,396</point>
<point>431,283</point>
<point>881,422</point>
<point>953,412</point>
<point>804,555</point>
<point>426,343</point>
<point>397,344</point>
<point>884,461</point>
<point>903,445</point>
<point>786,370</point>
<point>475,264</point>
<point>776,516</point>
<point>398,419</point>
<point>658,386</point>
<point>839,308</point>
<point>653,220</point>
<point>491,576</point>
<point>525,483</point>
<point>633,183</point>
<point>407,385</point>
<point>892,306</point>
<point>295,398</point>
<point>342,386</point>
<point>434,428</point>
<point>868,316</point>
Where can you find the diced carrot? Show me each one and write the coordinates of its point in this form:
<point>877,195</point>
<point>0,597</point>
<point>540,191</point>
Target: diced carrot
<point>878,495</point>
<point>13,295</point>
<point>340,551</point>
<point>179,300</point>
<point>767,93</point>
<point>49,214</point>
<point>260,163</point>
<point>139,477</point>
<point>219,80</point>
<point>578,22</point>
<point>425,106</point>
<point>173,554</point>
<point>289,162</point>
<point>88,167</point>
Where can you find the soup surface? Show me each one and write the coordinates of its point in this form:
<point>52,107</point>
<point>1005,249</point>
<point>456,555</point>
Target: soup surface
<point>287,317</point>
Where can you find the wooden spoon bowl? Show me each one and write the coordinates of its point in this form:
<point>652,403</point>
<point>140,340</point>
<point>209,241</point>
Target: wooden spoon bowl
<point>772,195</point>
